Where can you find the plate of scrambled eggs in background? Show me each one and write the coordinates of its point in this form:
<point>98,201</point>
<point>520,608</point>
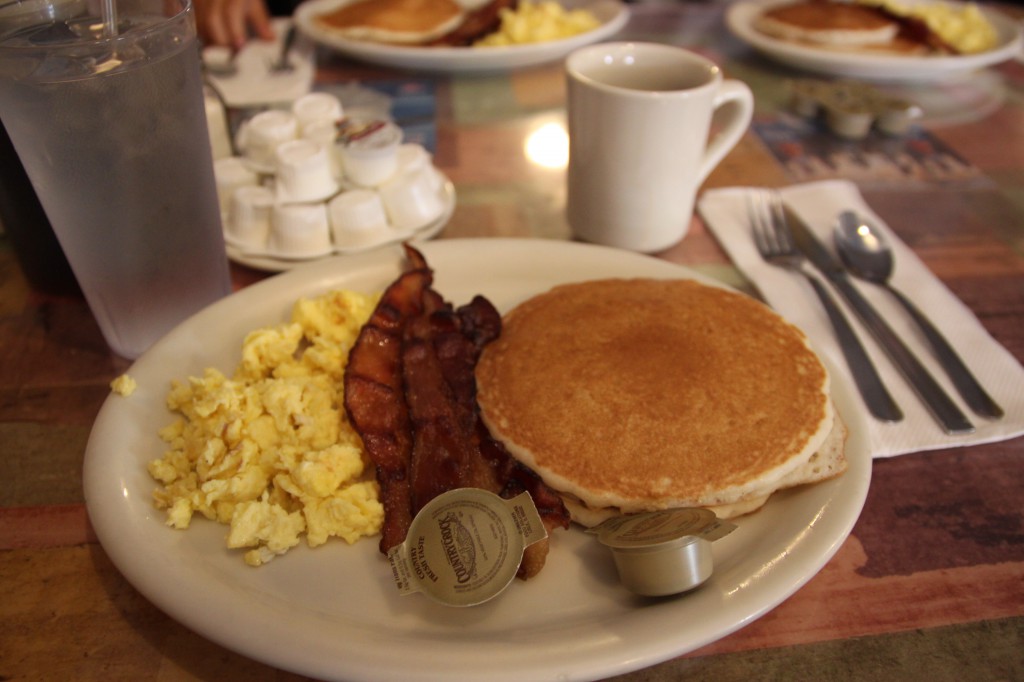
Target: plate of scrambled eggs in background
<point>332,611</point>
<point>540,31</point>
<point>962,22</point>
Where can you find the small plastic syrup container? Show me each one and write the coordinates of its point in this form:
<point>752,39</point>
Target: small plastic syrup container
<point>664,552</point>
<point>465,546</point>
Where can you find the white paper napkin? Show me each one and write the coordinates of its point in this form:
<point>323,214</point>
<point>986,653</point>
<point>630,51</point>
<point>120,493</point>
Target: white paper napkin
<point>253,84</point>
<point>726,214</point>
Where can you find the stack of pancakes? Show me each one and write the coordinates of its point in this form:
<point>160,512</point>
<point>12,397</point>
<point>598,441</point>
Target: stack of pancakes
<point>635,395</point>
<point>830,24</point>
<point>413,22</point>
<point>395,21</point>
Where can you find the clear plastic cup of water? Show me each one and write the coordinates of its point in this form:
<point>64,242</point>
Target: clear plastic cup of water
<point>109,120</point>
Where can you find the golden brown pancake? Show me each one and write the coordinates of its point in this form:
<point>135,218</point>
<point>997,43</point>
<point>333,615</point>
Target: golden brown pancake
<point>632,395</point>
<point>394,21</point>
<point>829,24</point>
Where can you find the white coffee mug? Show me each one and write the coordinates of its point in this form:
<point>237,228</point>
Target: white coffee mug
<point>639,118</point>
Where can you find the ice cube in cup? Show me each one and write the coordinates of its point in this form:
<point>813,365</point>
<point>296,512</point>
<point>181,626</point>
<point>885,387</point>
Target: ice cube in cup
<point>230,174</point>
<point>358,218</point>
<point>248,225</point>
<point>300,231</point>
<point>411,200</point>
<point>261,135</point>
<point>369,152</point>
<point>304,172</point>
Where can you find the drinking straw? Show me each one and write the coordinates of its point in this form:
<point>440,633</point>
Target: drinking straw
<point>109,18</point>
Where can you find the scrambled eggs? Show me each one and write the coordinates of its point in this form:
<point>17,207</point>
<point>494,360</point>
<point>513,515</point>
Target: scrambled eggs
<point>124,385</point>
<point>965,28</point>
<point>537,23</point>
<point>270,451</point>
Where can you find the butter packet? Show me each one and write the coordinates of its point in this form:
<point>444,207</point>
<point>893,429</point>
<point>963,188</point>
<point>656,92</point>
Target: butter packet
<point>465,546</point>
<point>851,109</point>
<point>663,552</point>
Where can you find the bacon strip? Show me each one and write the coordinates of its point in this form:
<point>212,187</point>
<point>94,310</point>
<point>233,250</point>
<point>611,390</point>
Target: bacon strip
<point>410,392</point>
<point>476,25</point>
<point>445,449</point>
<point>375,399</point>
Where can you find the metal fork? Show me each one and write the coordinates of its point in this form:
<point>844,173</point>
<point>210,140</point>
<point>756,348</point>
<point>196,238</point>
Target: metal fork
<point>775,244</point>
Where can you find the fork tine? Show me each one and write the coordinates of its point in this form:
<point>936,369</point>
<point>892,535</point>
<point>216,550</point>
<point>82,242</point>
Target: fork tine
<point>777,246</point>
<point>762,234</point>
<point>752,218</point>
<point>780,224</point>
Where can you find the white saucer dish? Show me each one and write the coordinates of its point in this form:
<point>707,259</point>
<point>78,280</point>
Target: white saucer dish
<point>334,613</point>
<point>611,13</point>
<point>251,84</point>
<point>742,16</point>
<point>271,262</point>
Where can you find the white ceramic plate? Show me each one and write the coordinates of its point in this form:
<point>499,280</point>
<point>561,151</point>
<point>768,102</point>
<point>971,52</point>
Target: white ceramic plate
<point>611,13</point>
<point>741,16</point>
<point>334,612</point>
<point>270,263</point>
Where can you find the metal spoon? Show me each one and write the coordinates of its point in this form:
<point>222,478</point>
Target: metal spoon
<point>865,252</point>
<point>282,63</point>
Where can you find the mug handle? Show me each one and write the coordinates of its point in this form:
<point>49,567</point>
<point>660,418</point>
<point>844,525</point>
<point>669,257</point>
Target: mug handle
<point>738,117</point>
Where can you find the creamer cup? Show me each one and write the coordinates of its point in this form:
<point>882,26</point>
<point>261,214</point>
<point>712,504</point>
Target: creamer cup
<point>414,158</point>
<point>260,136</point>
<point>369,152</point>
<point>358,218</point>
<point>230,174</point>
<point>218,59</point>
<point>663,552</point>
<point>897,116</point>
<point>249,220</point>
<point>325,133</point>
<point>304,172</point>
<point>316,107</point>
<point>411,199</point>
<point>465,546</point>
<point>300,231</point>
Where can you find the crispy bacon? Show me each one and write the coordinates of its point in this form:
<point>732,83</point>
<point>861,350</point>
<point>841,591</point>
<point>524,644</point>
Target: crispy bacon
<point>410,392</point>
<point>375,398</point>
<point>477,24</point>
<point>918,32</point>
<point>445,449</point>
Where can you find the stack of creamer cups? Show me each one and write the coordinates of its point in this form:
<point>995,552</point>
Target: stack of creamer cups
<point>311,181</point>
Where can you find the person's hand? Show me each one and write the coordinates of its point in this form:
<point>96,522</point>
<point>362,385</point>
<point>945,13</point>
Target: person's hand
<point>229,22</point>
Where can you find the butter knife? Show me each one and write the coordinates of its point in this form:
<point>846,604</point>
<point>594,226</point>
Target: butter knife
<point>943,409</point>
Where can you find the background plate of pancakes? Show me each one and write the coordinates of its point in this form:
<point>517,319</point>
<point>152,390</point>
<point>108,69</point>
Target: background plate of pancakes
<point>742,16</point>
<point>611,13</point>
<point>335,613</point>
